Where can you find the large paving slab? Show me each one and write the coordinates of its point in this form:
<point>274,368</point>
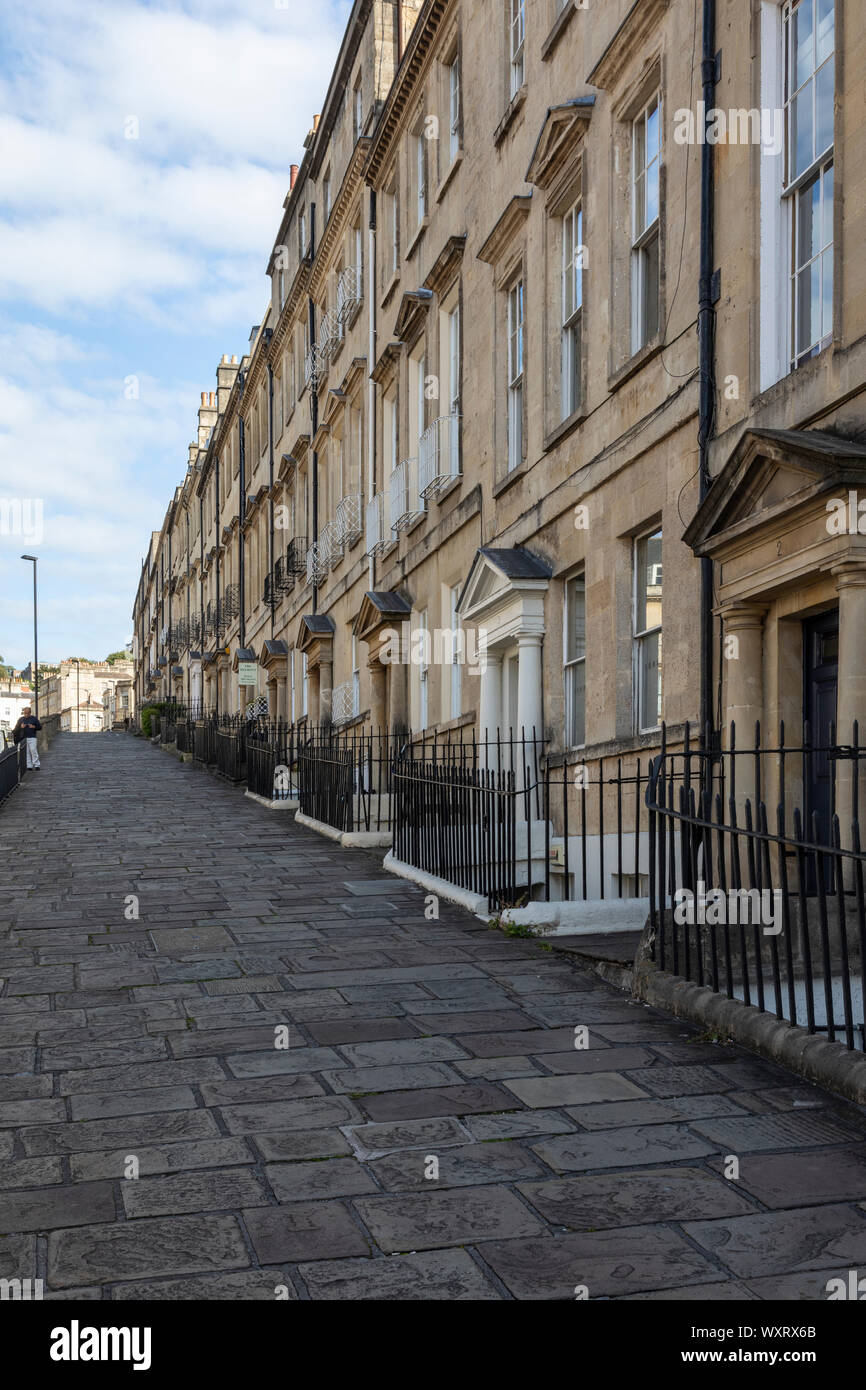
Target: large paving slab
<point>280,1080</point>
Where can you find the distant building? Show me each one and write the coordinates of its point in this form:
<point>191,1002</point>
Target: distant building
<point>77,689</point>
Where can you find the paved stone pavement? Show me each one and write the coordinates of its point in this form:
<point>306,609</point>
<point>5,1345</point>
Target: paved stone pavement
<point>308,1171</point>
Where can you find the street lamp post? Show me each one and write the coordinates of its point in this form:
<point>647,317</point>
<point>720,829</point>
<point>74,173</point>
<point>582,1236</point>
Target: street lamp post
<point>32,558</point>
<point>77,696</point>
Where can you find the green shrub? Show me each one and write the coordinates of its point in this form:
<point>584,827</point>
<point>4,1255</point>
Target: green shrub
<point>146,715</point>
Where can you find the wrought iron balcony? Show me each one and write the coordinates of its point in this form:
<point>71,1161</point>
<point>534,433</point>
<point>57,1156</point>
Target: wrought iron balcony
<point>346,701</point>
<point>350,292</point>
<point>231,604</point>
<point>296,559</point>
<point>407,505</point>
<point>318,563</point>
<point>348,519</point>
<point>439,456</point>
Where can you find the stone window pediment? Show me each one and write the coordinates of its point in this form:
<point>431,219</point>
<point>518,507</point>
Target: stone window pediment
<point>770,475</point>
<point>559,141</point>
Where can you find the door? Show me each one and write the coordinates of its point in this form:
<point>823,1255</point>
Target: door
<point>821,675</point>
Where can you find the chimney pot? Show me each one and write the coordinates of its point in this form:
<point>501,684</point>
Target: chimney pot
<point>234,359</point>
<point>204,397</point>
<point>315,123</point>
<point>212,398</point>
<point>293,174</point>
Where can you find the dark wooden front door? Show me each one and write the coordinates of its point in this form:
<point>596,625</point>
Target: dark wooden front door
<point>821,676</point>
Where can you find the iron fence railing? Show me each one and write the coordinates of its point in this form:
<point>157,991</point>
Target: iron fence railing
<point>757,876</point>
<point>9,768</point>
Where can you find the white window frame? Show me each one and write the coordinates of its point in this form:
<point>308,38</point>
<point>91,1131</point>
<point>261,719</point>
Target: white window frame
<point>454,104</point>
<point>817,172</point>
<point>516,348</point>
<point>572,309</point>
<point>516,45</point>
<point>573,666</point>
<point>641,637</point>
<point>423,673</point>
<point>646,230</point>
<point>420,177</point>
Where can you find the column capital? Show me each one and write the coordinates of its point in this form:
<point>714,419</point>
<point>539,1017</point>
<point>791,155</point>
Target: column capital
<point>849,573</point>
<point>744,615</point>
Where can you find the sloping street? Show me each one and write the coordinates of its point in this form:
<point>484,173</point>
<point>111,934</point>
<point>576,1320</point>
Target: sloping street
<point>238,1062</point>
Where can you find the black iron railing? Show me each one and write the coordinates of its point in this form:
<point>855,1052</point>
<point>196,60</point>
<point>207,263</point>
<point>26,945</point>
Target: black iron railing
<point>9,767</point>
<point>763,899</point>
<point>344,777</point>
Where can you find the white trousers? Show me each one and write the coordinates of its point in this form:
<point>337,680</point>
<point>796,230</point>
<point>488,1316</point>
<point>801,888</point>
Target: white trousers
<point>32,753</point>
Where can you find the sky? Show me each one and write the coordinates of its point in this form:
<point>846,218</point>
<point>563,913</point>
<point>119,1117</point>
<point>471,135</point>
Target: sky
<point>144,160</point>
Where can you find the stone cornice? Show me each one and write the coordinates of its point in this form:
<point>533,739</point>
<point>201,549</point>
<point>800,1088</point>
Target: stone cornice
<point>412,67</point>
<point>628,41</point>
<point>505,229</point>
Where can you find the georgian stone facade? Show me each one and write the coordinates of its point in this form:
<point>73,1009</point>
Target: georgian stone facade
<point>471,409</point>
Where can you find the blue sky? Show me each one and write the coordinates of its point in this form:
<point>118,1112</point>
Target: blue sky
<point>128,266</point>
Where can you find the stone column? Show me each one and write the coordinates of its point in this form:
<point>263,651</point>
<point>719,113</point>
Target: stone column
<point>743,655</point>
<point>326,683</point>
<point>378,695</point>
<point>271,687</point>
<point>529,685</point>
<point>490,701</point>
<point>850,578</point>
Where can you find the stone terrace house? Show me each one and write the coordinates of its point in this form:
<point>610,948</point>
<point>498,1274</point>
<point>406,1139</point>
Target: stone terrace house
<point>472,411</point>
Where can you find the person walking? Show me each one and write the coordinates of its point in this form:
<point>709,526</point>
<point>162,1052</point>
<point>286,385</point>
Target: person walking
<point>27,728</point>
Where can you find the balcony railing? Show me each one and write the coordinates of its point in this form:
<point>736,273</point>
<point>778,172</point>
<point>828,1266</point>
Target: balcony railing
<point>348,519</point>
<point>332,545</point>
<point>349,292</point>
<point>295,563</point>
<point>231,605</point>
<point>439,456</point>
<point>346,700</point>
<point>330,334</point>
<point>318,562</point>
<point>374,531</point>
<point>406,503</point>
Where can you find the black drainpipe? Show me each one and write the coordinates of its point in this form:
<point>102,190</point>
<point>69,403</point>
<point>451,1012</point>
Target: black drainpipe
<point>708,295</point>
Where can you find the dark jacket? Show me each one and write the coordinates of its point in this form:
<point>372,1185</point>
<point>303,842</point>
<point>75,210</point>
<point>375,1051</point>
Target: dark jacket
<point>28,726</point>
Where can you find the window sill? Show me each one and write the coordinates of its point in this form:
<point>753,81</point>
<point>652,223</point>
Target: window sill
<point>390,288</point>
<point>510,479</point>
<point>511,111</point>
<point>449,174</point>
<point>564,429</point>
<point>635,362</point>
<point>413,526</point>
<point>560,25</point>
<point>417,238</point>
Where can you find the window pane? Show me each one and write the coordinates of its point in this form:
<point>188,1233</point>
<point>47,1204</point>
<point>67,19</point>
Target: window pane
<point>652,134</point>
<point>651,681</point>
<point>827,237</point>
<point>824,97</point>
<point>649,582</point>
<point>639,206</point>
<point>651,288</point>
<point>801,130</point>
<point>802,29</point>
<point>826,24</point>
<point>575,704</point>
<point>827,293</point>
<point>808,205</point>
<point>575,611</point>
<point>652,193</point>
